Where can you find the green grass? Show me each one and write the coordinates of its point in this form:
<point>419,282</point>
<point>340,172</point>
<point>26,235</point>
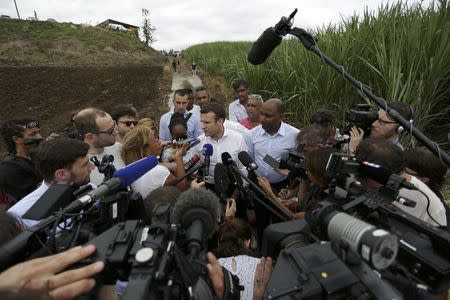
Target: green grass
<point>51,43</point>
<point>401,53</point>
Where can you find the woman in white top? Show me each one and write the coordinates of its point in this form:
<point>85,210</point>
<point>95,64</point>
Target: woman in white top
<point>235,255</point>
<point>141,142</point>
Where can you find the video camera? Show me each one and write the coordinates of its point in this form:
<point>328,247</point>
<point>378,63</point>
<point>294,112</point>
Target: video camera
<point>408,254</point>
<point>362,116</point>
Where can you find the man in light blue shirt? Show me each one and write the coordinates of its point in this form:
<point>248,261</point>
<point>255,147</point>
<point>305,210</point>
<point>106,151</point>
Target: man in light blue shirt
<point>237,109</point>
<point>272,137</point>
<point>61,160</point>
<point>180,102</point>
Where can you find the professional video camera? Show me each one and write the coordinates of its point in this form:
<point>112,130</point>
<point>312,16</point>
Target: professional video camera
<point>361,116</point>
<point>339,269</point>
<point>421,264</point>
<point>167,259</point>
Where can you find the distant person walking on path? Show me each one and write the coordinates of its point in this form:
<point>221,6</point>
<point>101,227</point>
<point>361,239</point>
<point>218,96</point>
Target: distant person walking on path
<point>174,66</point>
<point>178,66</point>
<point>194,68</point>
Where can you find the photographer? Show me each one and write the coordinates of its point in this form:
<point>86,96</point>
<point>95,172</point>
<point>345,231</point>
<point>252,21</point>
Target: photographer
<point>384,127</point>
<point>310,138</point>
<point>383,152</point>
<point>326,119</point>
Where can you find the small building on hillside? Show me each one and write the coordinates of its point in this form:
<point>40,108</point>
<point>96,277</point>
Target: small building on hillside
<point>119,26</point>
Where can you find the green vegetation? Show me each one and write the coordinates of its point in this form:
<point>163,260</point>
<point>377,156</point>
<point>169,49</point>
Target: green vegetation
<point>65,44</point>
<point>401,53</point>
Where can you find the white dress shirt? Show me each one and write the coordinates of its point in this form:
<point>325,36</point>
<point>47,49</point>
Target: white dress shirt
<point>231,142</point>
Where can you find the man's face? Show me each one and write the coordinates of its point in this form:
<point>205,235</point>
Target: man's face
<point>242,93</point>
<point>270,117</point>
<point>384,127</point>
<point>81,170</point>
<point>190,97</point>
<point>180,103</point>
<point>253,107</point>
<point>107,131</point>
<point>202,97</point>
<point>211,127</point>
<point>125,124</point>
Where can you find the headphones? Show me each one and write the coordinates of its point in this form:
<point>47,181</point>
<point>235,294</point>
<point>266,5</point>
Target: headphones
<point>400,128</point>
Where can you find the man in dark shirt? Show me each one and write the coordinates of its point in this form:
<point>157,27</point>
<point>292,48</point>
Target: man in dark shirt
<point>17,174</point>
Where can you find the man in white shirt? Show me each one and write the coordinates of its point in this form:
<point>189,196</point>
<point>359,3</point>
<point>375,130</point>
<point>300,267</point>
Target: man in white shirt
<point>60,160</point>
<point>222,139</point>
<point>99,131</point>
<point>237,109</point>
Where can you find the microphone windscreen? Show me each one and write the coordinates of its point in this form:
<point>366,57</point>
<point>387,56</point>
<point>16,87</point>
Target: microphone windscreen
<point>226,159</point>
<point>207,150</point>
<point>263,47</point>
<point>132,172</point>
<point>197,204</point>
<point>245,158</point>
<point>221,179</point>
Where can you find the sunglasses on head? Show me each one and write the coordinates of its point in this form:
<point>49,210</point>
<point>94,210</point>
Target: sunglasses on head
<point>128,123</point>
<point>32,124</point>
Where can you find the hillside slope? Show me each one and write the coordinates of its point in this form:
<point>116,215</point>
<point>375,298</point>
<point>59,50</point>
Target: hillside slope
<point>36,43</point>
<point>49,69</point>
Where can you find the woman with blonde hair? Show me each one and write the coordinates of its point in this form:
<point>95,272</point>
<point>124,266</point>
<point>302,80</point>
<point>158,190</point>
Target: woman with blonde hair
<point>141,142</point>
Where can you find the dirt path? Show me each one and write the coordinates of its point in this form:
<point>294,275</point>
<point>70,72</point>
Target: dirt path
<point>177,83</point>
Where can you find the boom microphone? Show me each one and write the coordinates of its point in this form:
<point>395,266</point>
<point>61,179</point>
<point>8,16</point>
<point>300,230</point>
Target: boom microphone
<point>197,210</point>
<point>120,181</point>
<point>269,40</point>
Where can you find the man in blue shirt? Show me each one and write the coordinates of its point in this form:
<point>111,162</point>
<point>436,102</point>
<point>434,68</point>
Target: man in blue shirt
<point>180,102</point>
<point>273,137</point>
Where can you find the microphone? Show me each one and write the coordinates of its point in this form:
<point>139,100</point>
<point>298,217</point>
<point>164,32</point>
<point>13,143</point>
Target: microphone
<point>247,161</point>
<point>120,181</point>
<point>197,211</point>
<point>207,151</point>
<point>192,162</point>
<point>227,160</point>
<point>269,40</point>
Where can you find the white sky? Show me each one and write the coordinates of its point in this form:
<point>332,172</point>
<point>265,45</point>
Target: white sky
<point>180,24</point>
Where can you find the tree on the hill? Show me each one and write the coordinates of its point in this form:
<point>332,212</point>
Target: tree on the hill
<point>147,28</point>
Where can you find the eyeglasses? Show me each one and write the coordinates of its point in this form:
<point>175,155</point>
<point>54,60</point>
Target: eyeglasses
<point>129,123</point>
<point>384,122</point>
<point>108,131</point>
